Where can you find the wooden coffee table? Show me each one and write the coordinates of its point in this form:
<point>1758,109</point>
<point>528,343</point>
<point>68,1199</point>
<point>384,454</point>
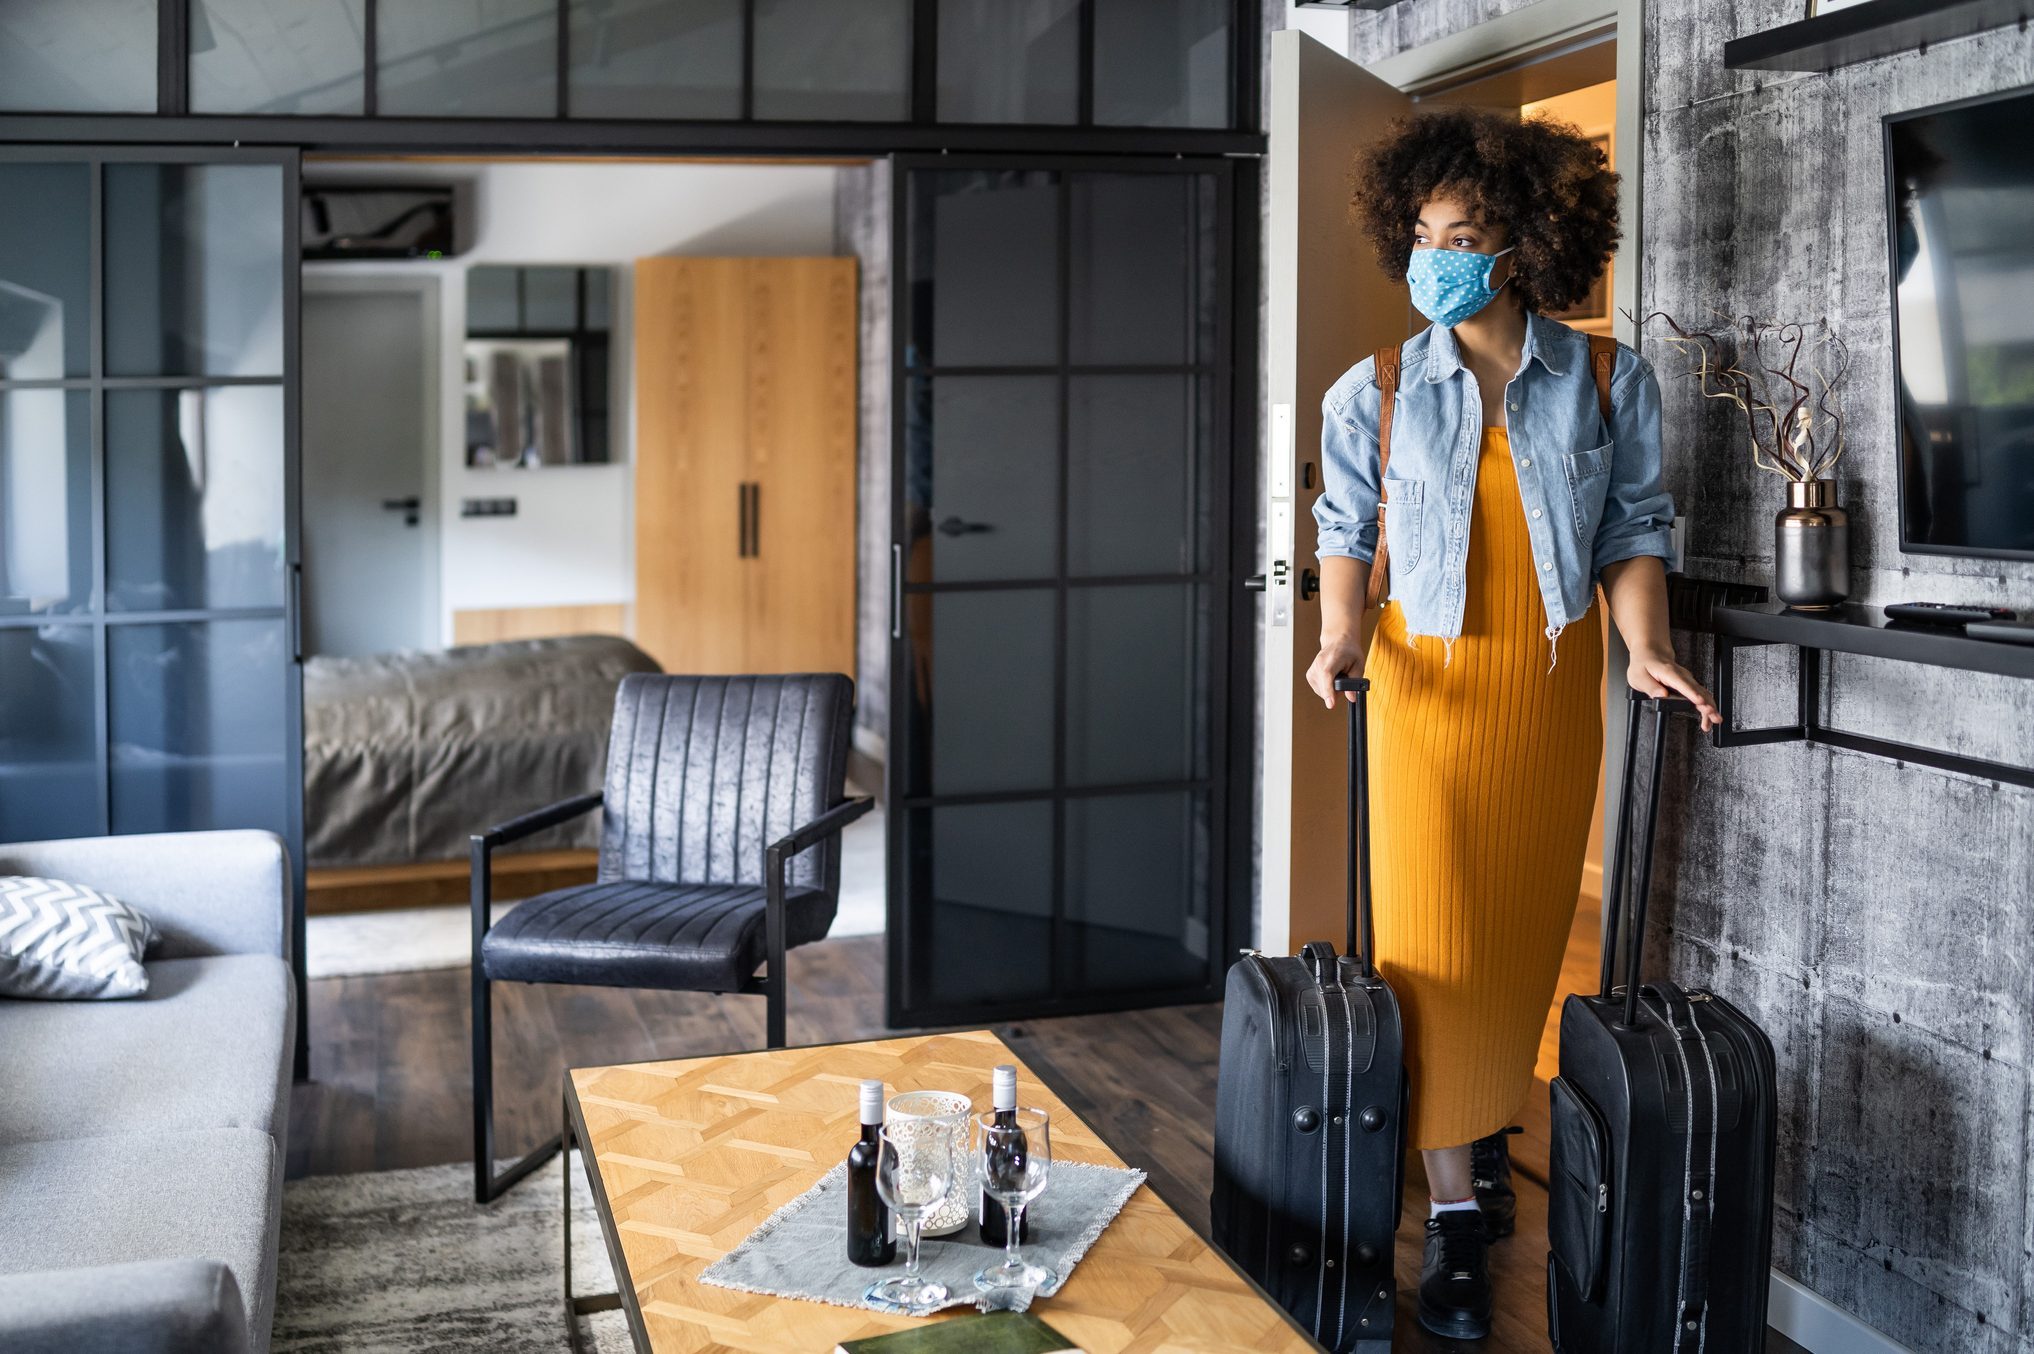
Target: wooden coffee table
<point>688,1157</point>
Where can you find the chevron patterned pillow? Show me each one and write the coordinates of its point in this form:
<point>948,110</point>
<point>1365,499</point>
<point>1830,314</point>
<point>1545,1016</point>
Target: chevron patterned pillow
<point>65,942</point>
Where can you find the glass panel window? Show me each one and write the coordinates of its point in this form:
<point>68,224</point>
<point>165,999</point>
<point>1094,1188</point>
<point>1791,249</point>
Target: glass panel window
<point>1137,704</point>
<point>1142,270</point>
<point>194,717</point>
<point>194,498</point>
<point>833,60</point>
<point>550,299</point>
<point>45,502</point>
<point>494,300</point>
<point>194,270</point>
<point>1140,440</point>
<point>255,56</point>
<point>49,755</point>
<point>983,933</point>
<point>985,289</point>
<point>983,482</point>
<point>1162,63</point>
<point>1009,61</point>
<point>656,59</point>
<point>77,56</point>
<point>988,656</point>
<point>45,271</point>
<point>1137,890</point>
<point>472,59</point>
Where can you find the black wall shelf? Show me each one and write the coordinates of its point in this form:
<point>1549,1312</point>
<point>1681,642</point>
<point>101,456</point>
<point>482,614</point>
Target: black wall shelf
<point>1854,629</point>
<point>1868,31</point>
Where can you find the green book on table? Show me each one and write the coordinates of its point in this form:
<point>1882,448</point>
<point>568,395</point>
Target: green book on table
<point>995,1333</point>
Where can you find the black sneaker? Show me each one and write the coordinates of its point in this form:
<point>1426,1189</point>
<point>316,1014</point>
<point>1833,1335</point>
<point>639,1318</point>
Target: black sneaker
<point>1490,1174</point>
<point>1455,1280</point>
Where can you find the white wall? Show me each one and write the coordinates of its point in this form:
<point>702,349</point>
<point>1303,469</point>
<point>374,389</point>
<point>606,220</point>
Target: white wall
<point>571,541</point>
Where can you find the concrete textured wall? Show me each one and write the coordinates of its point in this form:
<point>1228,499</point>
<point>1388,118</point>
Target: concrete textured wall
<point>1873,916</point>
<point>862,228</point>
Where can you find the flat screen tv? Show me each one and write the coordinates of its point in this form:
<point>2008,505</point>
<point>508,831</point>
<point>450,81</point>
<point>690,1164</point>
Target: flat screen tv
<point>1960,194</point>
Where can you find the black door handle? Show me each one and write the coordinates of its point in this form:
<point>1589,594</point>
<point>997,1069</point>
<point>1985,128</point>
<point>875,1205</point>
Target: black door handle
<point>749,520</point>
<point>954,526</point>
<point>1310,585</point>
<point>1254,583</point>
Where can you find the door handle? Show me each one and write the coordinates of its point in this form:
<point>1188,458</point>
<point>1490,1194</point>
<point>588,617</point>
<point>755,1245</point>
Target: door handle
<point>1254,583</point>
<point>954,526</point>
<point>896,591</point>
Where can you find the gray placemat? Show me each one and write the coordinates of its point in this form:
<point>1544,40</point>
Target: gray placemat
<point>801,1251</point>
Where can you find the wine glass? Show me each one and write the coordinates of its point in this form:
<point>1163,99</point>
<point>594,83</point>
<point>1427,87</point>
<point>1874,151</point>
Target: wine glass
<point>916,1165</point>
<point>1013,1153</point>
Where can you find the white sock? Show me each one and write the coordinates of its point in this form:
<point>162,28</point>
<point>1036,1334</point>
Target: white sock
<point>1437,1207</point>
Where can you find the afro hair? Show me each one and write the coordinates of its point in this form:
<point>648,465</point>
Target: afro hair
<point>1547,185</point>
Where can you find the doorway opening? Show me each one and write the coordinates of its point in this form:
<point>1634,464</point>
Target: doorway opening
<point>574,446</point>
<point>1329,307</point>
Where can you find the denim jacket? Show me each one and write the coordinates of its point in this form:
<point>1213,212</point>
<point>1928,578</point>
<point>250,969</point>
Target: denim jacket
<point>1592,494</point>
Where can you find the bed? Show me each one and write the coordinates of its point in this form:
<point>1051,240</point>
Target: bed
<point>407,754</point>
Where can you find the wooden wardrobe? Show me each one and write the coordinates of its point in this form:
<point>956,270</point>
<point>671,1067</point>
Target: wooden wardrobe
<point>745,463</point>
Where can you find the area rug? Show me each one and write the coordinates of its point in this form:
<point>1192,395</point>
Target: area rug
<point>392,1262</point>
<point>410,940</point>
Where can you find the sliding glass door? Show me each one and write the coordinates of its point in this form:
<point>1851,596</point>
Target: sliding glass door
<point>1059,678</point>
<point>149,677</point>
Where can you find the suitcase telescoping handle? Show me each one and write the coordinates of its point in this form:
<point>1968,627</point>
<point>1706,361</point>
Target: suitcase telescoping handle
<point>1613,902</point>
<point>1362,942</point>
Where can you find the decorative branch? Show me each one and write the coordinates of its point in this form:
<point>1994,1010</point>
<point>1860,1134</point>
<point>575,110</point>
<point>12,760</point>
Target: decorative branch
<point>1793,424</point>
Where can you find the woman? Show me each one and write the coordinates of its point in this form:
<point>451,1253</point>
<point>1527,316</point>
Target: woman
<point>1508,497</point>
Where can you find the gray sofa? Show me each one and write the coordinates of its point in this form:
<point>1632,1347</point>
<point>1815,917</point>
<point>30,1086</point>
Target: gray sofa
<point>141,1142</point>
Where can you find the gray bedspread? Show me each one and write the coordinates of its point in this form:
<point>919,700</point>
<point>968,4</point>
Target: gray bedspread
<point>407,754</point>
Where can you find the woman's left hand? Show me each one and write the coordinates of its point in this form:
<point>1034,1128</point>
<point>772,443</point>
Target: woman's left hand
<point>1660,675</point>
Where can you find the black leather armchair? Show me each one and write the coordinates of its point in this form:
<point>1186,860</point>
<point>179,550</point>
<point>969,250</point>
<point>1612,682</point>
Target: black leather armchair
<point>719,851</point>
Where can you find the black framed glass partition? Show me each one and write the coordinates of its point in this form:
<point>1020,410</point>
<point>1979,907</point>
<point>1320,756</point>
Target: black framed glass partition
<point>1060,663</point>
<point>149,675</point>
<point>1098,64</point>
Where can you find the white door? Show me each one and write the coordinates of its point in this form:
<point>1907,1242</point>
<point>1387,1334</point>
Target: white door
<point>367,443</point>
<point>1329,306</point>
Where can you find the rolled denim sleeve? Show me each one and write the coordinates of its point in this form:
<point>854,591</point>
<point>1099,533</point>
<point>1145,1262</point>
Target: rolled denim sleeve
<point>1346,511</point>
<point>1638,513</point>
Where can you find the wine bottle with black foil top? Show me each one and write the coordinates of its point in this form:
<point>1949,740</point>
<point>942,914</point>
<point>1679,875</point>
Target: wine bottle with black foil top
<point>993,1217</point>
<point>871,1240</point>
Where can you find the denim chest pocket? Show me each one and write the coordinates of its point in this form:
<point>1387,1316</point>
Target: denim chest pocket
<point>1588,475</point>
<point>1403,508</point>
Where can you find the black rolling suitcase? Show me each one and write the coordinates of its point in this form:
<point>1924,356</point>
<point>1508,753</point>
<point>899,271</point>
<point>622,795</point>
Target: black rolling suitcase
<point>1660,1206</point>
<point>1310,1114</point>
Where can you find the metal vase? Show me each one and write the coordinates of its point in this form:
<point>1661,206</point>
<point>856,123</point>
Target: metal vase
<point>1811,547</point>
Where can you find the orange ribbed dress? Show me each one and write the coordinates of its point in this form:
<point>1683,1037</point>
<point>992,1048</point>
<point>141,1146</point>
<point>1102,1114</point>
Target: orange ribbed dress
<point>1484,770</point>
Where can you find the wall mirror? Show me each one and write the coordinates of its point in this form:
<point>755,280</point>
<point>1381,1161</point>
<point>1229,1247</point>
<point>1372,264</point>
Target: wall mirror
<point>537,365</point>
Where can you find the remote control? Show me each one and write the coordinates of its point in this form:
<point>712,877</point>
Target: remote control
<point>2012,632</point>
<point>1947,613</point>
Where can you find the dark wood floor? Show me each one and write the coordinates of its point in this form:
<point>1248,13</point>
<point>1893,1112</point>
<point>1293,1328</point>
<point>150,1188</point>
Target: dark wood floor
<point>390,1085</point>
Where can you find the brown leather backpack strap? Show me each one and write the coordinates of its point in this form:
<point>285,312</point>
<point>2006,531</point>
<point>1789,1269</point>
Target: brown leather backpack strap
<point>1602,361</point>
<point>1387,387</point>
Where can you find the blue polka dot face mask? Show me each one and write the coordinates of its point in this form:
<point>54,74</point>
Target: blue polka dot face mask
<point>1450,285</point>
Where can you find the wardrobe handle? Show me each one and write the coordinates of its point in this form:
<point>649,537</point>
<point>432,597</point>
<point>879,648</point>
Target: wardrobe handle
<point>748,519</point>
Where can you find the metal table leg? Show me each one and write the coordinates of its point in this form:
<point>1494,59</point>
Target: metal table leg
<point>576,1307</point>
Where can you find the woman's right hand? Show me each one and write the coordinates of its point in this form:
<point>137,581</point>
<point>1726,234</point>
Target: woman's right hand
<point>1340,656</point>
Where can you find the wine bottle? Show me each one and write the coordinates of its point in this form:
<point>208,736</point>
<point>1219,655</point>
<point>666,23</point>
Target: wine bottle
<point>870,1238</point>
<point>993,1218</point>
